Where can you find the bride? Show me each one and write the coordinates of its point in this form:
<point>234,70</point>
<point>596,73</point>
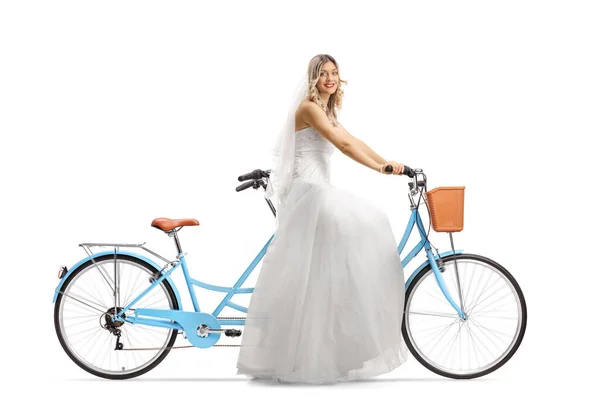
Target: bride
<point>328,302</point>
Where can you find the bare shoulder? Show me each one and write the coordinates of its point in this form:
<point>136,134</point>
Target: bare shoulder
<point>308,109</point>
<point>306,113</point>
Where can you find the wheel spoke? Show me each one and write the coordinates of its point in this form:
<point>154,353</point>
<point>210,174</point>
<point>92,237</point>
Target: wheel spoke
<point>480,310</point>
<point>137,288</point>
<point>84,302</point>
<point>483,290</point>
<point>492,331</point>
<point>492,291</point>
<point>445,315</point>
<point>469,286</point>
<point>440,335</point>
<point>437,296</point>
<point>475,340</point>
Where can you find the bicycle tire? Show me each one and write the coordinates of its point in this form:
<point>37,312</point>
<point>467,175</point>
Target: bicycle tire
<point>161,354</point>
<point>522,323</point>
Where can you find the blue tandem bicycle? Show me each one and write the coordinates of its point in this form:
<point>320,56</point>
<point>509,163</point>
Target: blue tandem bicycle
<point>118,313</point>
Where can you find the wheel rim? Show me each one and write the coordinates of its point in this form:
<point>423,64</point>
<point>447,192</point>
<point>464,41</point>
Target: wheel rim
<point>83,311</point>
<point>468,347</point>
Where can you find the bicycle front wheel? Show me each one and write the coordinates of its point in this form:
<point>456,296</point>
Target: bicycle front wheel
<point>83,313</point>
<point>489,335</point>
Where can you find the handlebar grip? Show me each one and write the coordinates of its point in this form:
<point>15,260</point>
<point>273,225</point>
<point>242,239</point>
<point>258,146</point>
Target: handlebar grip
<point>405,171</point>
<point>408,171</point>
<point>244,186</point>
<point>256,174</point>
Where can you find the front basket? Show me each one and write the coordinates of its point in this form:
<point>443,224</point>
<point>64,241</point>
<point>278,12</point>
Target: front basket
<point>446,205</point>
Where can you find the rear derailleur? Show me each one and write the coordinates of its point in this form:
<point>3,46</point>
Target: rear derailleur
<point>113,326</point>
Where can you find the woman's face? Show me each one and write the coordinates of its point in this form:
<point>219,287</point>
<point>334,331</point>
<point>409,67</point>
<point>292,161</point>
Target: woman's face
<point>328,78</point>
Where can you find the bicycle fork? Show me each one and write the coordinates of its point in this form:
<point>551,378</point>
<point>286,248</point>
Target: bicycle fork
<point>442,284</point>
<point>424,243</point>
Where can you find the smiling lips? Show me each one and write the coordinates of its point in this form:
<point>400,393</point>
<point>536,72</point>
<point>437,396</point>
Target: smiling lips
<point>330,85</point>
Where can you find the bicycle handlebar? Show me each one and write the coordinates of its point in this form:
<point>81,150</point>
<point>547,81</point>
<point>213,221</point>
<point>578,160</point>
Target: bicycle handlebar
<point>254,179</point>
<point>257,174</point>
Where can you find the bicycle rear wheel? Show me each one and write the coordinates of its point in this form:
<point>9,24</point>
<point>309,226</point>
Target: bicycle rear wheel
<point>83,323</point>
<point>478,345</point>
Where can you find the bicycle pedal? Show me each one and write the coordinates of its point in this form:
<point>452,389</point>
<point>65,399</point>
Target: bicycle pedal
<point>233,332</point>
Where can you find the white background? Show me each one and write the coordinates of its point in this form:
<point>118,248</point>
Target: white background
<point>114,113</point>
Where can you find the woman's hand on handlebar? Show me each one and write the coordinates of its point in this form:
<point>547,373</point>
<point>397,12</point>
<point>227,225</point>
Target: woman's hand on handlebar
<point>397,168</point>
<point>389,168</point>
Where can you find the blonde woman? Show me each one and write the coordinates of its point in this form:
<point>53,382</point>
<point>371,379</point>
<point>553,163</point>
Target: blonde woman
<point>328,302</point>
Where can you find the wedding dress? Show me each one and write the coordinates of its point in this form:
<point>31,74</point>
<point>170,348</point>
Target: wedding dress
<point>328,302</point>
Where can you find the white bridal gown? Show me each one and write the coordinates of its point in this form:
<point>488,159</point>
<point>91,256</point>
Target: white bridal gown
<point>328,302</point>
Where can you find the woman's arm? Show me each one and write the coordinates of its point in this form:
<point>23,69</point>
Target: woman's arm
<point>312,114</point>
<point>366,148</point>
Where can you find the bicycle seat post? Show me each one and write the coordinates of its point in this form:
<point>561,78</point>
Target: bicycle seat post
<point>173,233</point>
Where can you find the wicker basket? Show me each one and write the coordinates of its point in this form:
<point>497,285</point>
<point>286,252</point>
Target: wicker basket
<point>447,205</point>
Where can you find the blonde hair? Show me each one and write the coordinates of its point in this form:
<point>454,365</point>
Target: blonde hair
<point>335,101</point>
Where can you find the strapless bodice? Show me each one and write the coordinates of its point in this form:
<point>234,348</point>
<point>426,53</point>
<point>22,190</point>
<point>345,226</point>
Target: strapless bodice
<point>311,158</point>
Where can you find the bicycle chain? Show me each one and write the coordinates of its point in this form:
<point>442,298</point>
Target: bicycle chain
<point>177,347</point>
<point>189,346</point>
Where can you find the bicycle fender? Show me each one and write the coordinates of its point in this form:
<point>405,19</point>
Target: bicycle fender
<point>126,253</point>
<point>426,263</point>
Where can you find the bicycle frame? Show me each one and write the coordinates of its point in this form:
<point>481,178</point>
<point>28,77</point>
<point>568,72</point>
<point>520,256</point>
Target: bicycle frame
<point>415,219</point>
